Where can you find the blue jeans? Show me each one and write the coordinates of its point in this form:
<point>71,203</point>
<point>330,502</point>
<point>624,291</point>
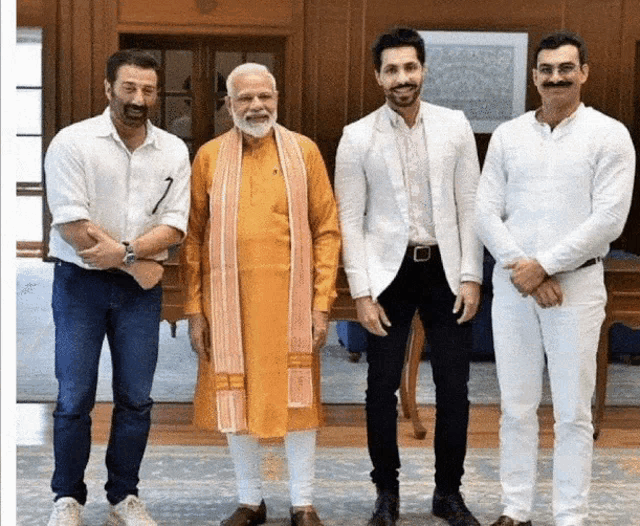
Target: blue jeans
<point>87,305</point>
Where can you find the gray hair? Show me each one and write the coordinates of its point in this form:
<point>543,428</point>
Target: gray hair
<point>249,68</point>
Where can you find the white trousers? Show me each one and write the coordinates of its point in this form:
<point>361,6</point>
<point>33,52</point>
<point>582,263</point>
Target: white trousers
<point>246,452</point>
<point>568,335</point>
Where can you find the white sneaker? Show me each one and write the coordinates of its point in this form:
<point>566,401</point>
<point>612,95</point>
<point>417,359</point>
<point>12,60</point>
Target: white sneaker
<point>130,512</point>
<point>67,511</point>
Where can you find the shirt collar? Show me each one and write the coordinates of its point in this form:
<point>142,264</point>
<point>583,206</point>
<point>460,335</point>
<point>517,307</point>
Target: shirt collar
<point>106,128</point>
<point>397,121</point>
<point>564,122</point>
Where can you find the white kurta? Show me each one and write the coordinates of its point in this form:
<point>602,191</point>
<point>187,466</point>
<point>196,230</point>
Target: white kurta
<point>560,196</point>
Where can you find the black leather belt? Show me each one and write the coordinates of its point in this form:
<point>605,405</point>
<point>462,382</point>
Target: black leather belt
<point>590,262</point>
<point>117,271</point>
<point>422,253</point>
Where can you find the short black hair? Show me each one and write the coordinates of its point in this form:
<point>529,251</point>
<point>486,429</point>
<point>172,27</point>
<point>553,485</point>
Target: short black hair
<point>562,38</point>
<point>397,37</point>
<point>130,57</point>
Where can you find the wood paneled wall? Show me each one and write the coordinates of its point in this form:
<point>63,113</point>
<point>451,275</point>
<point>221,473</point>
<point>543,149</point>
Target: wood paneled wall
<point>329,77</point>
<point>81,34</point>
<point>328,50</point>
<point>338,33</point>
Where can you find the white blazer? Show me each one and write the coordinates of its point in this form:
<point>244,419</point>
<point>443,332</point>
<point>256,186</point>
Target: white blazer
<point>373,201</point>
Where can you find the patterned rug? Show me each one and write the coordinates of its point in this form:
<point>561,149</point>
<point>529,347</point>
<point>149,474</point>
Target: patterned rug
<point>191,486</point>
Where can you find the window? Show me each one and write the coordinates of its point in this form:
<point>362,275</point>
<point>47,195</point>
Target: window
<point>29,141</point>
<point>193,83</point>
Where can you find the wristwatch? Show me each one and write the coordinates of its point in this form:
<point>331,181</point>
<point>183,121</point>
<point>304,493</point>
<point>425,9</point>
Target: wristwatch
<point>129,254</point>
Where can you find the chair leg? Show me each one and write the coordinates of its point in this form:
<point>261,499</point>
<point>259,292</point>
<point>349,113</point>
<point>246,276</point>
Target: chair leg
<point>410,377</point>
<point>601,378</point>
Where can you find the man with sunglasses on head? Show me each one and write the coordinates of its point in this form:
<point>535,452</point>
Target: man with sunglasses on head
<point>555,191</point>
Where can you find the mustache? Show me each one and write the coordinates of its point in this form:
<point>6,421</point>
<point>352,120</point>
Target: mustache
<point>256,115</point>
<point>561,84</point>
<point>135,107</point>
<point>408,85</point>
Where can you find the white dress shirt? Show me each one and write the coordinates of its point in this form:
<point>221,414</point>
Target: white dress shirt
<point>412,145</point>
<point>559,196</point>
<point>91,175</point>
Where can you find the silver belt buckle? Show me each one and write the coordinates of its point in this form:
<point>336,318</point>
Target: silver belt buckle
<point>421,253</point>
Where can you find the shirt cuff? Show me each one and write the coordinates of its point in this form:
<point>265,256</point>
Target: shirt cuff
<point>193,307</point>
<point>470,277</point>
<point>69,214</point>
<point>546,262</point>
<point>176,221</point>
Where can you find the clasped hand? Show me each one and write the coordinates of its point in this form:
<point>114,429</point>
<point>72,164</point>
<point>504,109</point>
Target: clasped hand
<point>530,279</point>
<point>106,253</point>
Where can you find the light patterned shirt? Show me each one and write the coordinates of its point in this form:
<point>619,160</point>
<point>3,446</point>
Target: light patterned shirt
<point>414,156</point>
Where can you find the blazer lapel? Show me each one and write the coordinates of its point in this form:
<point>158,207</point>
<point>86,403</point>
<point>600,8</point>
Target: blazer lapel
<point>434,137</point>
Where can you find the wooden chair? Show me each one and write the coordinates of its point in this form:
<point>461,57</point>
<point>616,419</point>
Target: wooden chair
<point>622,278</point>
<point>415,346</point>
<point>172,291</point>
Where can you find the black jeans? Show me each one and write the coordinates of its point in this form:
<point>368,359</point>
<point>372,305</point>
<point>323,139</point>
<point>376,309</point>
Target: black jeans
<point>420,286</point>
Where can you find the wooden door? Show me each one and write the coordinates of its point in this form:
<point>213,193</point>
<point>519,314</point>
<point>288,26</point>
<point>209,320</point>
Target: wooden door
<point>191,105</point>
<point>193,83</point>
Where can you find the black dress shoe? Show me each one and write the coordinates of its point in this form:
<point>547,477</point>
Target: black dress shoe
<point>305,518</point>
<point>387,508</point>
<point>246,516</point>
<point>451,507</point>
<point>503,520</point>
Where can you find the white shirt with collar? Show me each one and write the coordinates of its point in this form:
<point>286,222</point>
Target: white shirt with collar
<point>91,175</point>
<point>412,145</point>
<point>559,196</point>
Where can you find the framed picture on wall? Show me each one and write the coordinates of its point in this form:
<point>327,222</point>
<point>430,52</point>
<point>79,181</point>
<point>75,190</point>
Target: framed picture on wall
<point>481,73</point>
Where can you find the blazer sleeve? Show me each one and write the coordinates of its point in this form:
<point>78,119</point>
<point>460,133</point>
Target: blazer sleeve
<point>351,195</point>
<point>467,174</point>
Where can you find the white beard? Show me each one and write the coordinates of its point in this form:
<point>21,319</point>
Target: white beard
<point>257,130</point>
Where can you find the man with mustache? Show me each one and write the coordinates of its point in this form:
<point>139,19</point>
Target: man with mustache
<point>261,258</point>
<point>406,179</point>
<point>118,191</point>
<point>555,191</point>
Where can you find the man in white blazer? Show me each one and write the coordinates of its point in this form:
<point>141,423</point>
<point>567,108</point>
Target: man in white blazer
<point>406,178</point>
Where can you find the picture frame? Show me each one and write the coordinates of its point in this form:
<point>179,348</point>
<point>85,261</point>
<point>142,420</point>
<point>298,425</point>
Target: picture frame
<point>481,73</point>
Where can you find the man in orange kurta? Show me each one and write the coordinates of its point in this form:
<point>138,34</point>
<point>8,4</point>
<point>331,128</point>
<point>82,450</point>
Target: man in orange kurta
<point>261,258</point>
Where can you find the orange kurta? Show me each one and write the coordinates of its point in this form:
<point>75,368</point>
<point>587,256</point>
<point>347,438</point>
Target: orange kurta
<point>263,267</point>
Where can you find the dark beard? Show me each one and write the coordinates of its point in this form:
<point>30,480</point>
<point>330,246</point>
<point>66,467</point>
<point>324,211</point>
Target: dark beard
<point>138,117</point>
